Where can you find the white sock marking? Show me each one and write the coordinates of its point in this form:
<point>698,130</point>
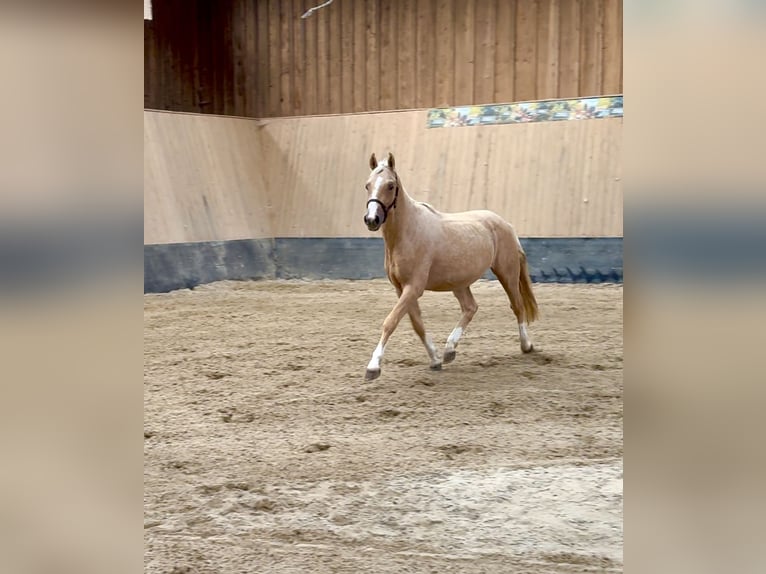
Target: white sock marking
<point>377,355</point>
<point>431,348</point>
<point>524,336</point>
<point>454,337</point>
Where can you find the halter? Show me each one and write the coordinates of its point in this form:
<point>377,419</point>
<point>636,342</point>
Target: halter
<point>383,205</point>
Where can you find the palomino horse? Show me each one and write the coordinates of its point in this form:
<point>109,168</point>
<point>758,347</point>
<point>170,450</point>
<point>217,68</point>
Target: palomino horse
<point>429,250</point>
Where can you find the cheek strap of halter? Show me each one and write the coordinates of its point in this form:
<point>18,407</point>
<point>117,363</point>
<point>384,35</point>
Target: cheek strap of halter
<point>383,205</point>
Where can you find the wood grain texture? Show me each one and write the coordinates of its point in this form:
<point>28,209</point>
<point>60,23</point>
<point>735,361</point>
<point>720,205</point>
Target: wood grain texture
<point>612,48</point>
<point>525,65</point>
<point>347,57</point>
<point>389,70</point>
<point>445,54</point>
<point>372,58</point>
<point>426,54</point>
<point>407,54</point>
<point>258,58</point>
<point>548,38</point>
<point>286,77</point>
<point>202,179</point>
<point>214,178</point>
<point>299,59</point>
<point>360,56</point>
<point>484,50</point>
<point>323,61</point>
<point>464,63</point>
<point>591,52</point>
<point>505,51</point>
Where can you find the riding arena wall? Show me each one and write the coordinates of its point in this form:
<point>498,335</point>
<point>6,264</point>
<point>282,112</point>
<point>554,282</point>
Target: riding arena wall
<point>245,198</point>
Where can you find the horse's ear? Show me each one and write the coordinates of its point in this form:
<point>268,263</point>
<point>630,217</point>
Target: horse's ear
<point>390,160</point>
<point>373,161</point>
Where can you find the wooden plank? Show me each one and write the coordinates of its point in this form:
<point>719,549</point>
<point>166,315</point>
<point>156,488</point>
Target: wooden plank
<point>172,34</point>
<point>336,57</point>
<point>426,54</point>
<point>196,63</point>
<point>225,60</point>
<point>505,51</point>
<point>612,47</point>
<point>525,66</point>
<point>310,96</point>
<point>255,190</point>
<point>347,56</point>
<point>238,43</point>
<point>250,58</point>
<point>548,49</point>
<point>389,47</point>
<point>150,61</point>
<point>285,57</point>
<point>591,54</point>
<point>203,179</point>
<point>465,23</point>
<point>484,90</point>
<point>445,54</point>
<point>262,60</point>
<point>299,59</point>
<point>274,32</point>
<point>407,54</point>
<point>206,89</point>
<point>161,64</point>
<point>323,60</point>
<point>216,70</point>
<point>186,47</point>
<point>358,57</point>
<point>569,49</point>
<point>372,59</point>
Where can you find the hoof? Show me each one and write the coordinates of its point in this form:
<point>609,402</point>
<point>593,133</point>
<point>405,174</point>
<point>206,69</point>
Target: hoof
<point>436,367</point>
<point>531,348</point>
<point>449,356</point>
<point>371,374</point>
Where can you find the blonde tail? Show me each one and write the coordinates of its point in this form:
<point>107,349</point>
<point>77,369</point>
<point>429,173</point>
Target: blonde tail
<point>525,286</point>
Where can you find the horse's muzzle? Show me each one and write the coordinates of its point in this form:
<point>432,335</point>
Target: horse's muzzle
<point>373,223</point>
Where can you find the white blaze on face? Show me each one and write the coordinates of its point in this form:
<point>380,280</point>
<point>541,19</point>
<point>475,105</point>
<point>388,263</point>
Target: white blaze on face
<point>373,207</point>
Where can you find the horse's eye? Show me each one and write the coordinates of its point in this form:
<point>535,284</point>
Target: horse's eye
<point>367,186</point>
<point>390,185</point>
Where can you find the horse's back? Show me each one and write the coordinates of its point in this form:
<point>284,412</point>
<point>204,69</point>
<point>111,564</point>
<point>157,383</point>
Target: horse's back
<point>490,220</point>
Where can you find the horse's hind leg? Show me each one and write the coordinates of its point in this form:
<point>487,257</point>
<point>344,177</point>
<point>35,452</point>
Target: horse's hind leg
<point>417,324</point>
<point>508,274</point>
<point>469,307</point>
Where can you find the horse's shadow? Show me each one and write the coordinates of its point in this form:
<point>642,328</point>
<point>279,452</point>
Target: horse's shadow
<point>535,357</point>
<point>492,367</point>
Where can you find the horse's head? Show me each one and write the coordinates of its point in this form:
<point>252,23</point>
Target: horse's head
<point>382,191</point>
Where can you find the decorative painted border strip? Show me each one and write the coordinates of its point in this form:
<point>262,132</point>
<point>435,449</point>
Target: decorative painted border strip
<point>526,112</point>
<point>186,265</point>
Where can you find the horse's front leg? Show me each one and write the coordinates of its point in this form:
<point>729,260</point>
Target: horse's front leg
<point>409,295</point>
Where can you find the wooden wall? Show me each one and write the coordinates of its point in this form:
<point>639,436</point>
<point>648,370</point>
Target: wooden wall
<point>202,179</point>
<point>258,58</point>
<point>211,178</point>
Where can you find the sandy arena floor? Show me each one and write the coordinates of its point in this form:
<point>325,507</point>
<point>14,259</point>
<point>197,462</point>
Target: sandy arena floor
<point>265,450</point>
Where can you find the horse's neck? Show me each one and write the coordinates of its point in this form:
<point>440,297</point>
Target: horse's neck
<point>398,219</point>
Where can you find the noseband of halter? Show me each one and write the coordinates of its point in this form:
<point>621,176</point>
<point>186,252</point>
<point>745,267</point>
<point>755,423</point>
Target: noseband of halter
<point>383,205</point>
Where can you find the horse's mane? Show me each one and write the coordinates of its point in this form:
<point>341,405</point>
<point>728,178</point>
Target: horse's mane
<point>429,207</point>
